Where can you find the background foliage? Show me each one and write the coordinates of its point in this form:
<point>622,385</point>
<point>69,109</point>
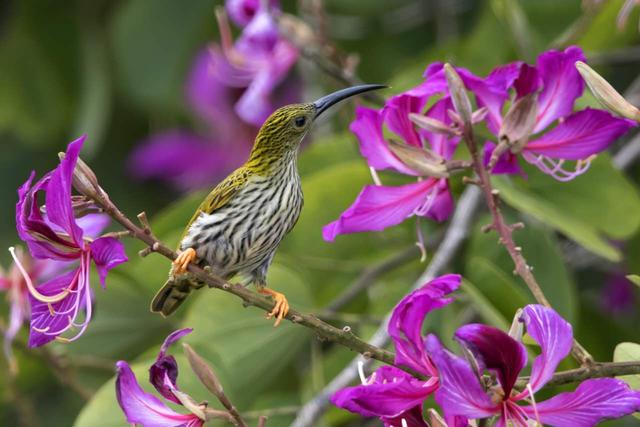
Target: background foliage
<point>115,70</point>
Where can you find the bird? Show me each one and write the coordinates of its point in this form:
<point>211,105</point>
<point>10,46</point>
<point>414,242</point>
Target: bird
<point>238,227</point>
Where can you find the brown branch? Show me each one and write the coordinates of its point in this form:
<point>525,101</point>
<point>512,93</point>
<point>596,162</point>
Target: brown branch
<point>597,370</point>
<point>505,231</point>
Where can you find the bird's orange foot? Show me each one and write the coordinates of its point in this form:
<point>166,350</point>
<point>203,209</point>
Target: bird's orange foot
<point>183,260</point>
<point>281,307</point>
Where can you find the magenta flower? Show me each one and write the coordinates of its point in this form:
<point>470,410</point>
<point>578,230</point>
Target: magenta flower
<point>390,393</point>
<point>56,235</point>
<point>576,136</point>
<point>231,89</point>
<point>618,295</point>
<point>379,206</point>
<point>145,409</point>
<point>461,393</point>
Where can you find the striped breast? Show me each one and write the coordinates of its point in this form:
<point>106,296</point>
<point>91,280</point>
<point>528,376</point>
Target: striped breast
<point>243,234</point>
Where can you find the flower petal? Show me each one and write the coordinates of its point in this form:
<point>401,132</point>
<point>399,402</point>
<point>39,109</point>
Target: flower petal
<point>50,320</point>
<point>93,224</point>
<point>58,194</point>
<point>143,408</point>
<point>460,392</point>
<point>562,84</point>
<point>391,393</point>
<point>107,252</point>
<point>528,81</point>
<point>367,126</point>
<point>163,374</point>
<point>17,315</point>
<point>186,160</point>
<point>411,418</point>
<point>582,134</point>
<point>405,325</point>
<point>594,400</point>
<point>555,337</point>
<point>496,350</point>
<point>441,208</point>
<point>440,143</point>
<point>378,207</point>
<point>396,115</point>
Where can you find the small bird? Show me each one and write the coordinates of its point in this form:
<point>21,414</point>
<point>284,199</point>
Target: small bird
<point>239,225</point>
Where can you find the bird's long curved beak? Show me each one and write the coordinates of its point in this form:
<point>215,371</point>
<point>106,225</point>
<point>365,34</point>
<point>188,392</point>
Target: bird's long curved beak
<point>327,101</point>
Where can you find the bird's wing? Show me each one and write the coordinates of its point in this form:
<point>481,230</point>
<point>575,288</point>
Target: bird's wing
<point>220,195</point>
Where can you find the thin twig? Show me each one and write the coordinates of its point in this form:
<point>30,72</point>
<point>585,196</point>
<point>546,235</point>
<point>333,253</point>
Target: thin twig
<point>597,370</point>
<point>505,232</point>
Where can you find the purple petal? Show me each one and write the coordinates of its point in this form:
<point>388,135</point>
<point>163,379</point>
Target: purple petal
<point>58,194</point>
<point>256,104</point>
<point>405,325</point>
<point>107,253</point>
<point>553,334</point>
<point>593,401</point>
<point>460,392</point>
<point>367,126</point>
<point>163,374</point>
<point>49,321</point>
<point>391,393</point>
<point>506,164</point>
<point>260,36</point>
<point>411,418</point>
<point>396,115</point>
<point>582,134</point>
<point>143,408</point>
<point>442,206</point>
<point>186,160</point>
<point>528,81</point>
<point>93,224</point>
<point>242,12</point>
<point>496,350</point>
<point>562,84</point>
<point>18,313</point>
<point>378,207</point>
<point>434,83</point>
<point>618,295</point>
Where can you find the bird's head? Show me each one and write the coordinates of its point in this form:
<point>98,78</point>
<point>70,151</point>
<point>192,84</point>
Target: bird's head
<point>285,128</point>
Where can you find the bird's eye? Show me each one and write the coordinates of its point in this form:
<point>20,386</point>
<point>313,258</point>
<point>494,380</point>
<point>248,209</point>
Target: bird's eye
<point>300,121</point>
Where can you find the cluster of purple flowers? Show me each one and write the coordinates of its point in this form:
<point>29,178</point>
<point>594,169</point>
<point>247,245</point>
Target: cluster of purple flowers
<point>557,136</point>
<point>459,385</point>
<point>232,89</point>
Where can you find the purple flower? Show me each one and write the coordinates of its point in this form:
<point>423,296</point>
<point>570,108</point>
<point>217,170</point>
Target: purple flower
<point>618,295</point>
<point>145,409</point>
<point>390,393</point>
<point>378,206</point>
<point>57,235</point>
<point>576,136</point>
<point>461,393</point>
<point>231,89</point>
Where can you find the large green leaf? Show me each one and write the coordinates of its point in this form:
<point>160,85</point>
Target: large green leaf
<point>628,352</point>
<point>576,208</point>
<point>249,348</point>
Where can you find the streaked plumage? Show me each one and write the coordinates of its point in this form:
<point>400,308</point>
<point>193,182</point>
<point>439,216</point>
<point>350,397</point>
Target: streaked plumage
<point>239,225</point>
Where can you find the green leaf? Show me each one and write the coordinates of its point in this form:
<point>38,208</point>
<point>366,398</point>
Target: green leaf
<point>628,352</point>
<point>575,208</point>
<point>249,348</point>
<point>153,58</point>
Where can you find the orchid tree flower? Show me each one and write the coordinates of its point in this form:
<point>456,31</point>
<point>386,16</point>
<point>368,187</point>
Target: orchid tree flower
<point>142,408</point>
<point>544,128</point>
<point>391,393</point>
<point>231,89</point>
<point>462,394</point>
<point>52,232</point>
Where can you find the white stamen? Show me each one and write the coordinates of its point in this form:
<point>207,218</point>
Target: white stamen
<point>374,176</point>
<point>533,403</point>
<point>32,289</point>
<point>363,379</point>
<point>404,423</point>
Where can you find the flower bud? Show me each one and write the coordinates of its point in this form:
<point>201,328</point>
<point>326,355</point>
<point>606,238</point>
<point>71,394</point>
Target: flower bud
<point>458,93</point>
<point>606,94</point>
<point>430,124</point>
<point>425,162</point>
<point>85,180</point>
<point>519,122</point>
<point>203,371</point>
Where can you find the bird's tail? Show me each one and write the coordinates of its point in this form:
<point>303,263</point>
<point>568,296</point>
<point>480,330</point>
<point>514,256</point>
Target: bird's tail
<point>172,294</point>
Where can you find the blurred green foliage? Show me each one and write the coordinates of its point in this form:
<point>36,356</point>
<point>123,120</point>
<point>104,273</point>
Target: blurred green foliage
<point>116,69</point>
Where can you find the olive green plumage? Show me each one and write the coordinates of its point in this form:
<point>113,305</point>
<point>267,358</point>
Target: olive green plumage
<point>239,225</point>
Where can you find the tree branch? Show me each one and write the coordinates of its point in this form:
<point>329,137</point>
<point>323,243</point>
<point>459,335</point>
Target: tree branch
<point>597,370</point>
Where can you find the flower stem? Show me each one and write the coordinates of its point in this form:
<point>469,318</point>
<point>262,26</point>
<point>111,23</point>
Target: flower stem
<point>505,231</point>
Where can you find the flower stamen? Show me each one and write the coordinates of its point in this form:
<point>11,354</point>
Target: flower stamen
<point>32,289</point>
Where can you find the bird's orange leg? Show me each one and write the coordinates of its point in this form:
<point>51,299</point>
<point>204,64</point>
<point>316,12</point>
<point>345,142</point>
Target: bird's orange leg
<point>281,307</point>
<point>183,260</point>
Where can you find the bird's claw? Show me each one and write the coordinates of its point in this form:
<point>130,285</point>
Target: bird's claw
<point>183,260</point>
<point>280,308</point>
